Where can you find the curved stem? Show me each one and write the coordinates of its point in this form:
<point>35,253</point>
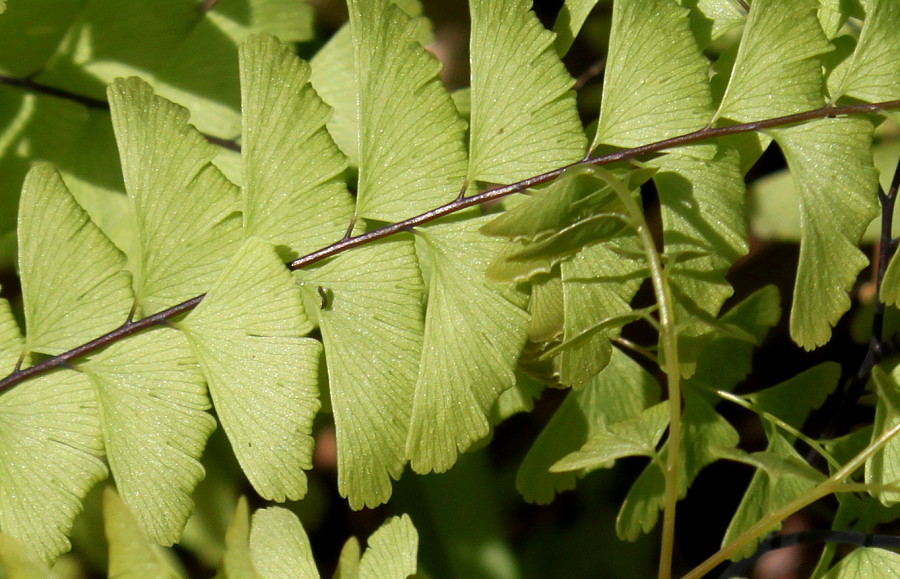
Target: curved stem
<point>668,332</point>
<point>128,328</point>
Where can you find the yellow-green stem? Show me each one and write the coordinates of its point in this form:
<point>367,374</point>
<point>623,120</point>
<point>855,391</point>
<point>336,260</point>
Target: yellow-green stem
<point>669,345</point>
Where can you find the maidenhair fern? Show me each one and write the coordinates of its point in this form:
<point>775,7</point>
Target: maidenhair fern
<point>418,320</point>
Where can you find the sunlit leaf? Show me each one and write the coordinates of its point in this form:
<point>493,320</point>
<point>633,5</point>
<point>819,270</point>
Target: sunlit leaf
<point>778,69</point>
<point>279,545</point>
<point>637,436</point>
<point>655,89</point>
<point>131,554</point>
<point>392,550</point>
<point>569,21</point>
<point>710,19</point>
<point>620,392</point>
<point>67,300</point>
<point>873,73</point>
<point>153,448</point>
<point>523,120</point>
<point>293,189</point>
<point>411,151</point>
<point>474,332</point>
<point>869,562</point>
<point>838,201</point>
<point>186,210</point>
<point>372,326</point>
<point>50,456</point>
<point>348,561</point>
<point>262,374</point>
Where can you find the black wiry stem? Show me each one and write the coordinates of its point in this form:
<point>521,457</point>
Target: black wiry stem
<point>160,318</point>
<point>92,103</point>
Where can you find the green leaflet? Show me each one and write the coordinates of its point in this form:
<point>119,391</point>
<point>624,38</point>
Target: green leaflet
<point>51,450</point>
<point>348,563</point>
<point>776,484</point>
<point>334,78</point>
<point>279,546</point>
<point>67,300</point>
<point>652,90</point>
<point>884,467</point>
<point>372,326</point>
<point>710,19</point>
<point>131,554</point>
<point>153,447</point>
<point>636,436</point>
<point>20,563</point>
<point>237,562</point>
<point>706,435</point>
<point>873,72</point>
<point>869,562</point>
<point>262,374</point>
<point>569,21</point>
<point>704,231</point>
<point>186,210</point>
<point>838,201</point>
<point>781,476</point>
<point>392,550</point>
<point>293,189</point>
<point>523,120</point>
<point>598,285</point>
<point>474,332</point>
<point>620,392</point>
<point>778,69</point>
<point>411,152</point>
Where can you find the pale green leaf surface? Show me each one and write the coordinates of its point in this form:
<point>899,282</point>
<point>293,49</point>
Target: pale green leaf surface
<point>569,21</point>
<point>279,546</point>
<point>10,340</point>
<point>890,285</point>
<point>873,73</point>
<point>186,210</point>
<point>411,151</point>
<point>237,562</point>
<point>656,82</point>
<point>392,550</point>
<point>153,403</point>
<point>247,335</point>
<point>704,232</point>
<point>705,435</point>
<point>710,19</point>
<point>289,20</point>
<point>838,201</point>
<point>547,308</point>
<point>372,328</point>
<point>67,300</point>
<point>348,561</point>
<point>598,284</point>
<point>868,562</point>
<point>293,189</point>
<point>50,457</point>
<point>623,390</point>
<point>20,563</point>
<point>884,466</point>
<point>778,69</point>
<point>793,399</point>
<point>832,16</point>
<point>334,77</point>
<point>474,332</point>
<point>524,119</point>
<point>771,488</point>
<point>637,436</point>
<point>131,554</point>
